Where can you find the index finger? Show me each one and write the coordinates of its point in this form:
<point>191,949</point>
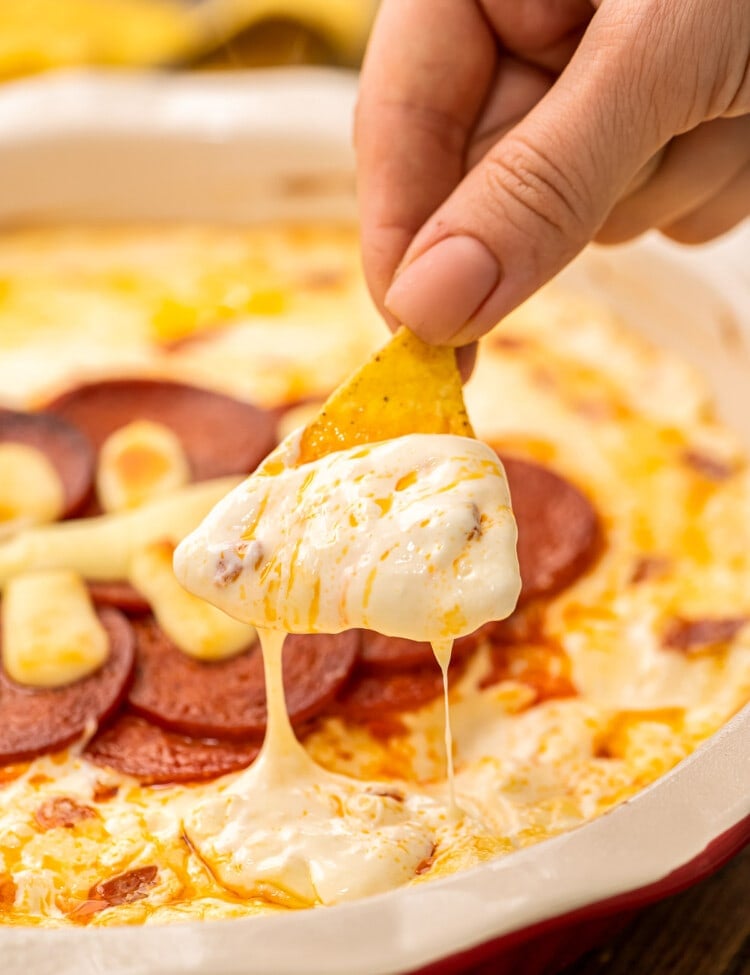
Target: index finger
<point>427,71</point>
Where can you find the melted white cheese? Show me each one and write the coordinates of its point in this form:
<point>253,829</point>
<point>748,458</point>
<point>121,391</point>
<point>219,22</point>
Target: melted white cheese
<point>412,537</point>
<point>286,828</point>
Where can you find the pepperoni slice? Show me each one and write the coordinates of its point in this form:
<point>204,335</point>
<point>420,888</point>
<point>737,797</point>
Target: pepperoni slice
<point>227,698</point>
<point>700,635</point>
<point>38,720</point>
<point>220,435</point>
<point>382,654</point>
<point>558,529</point>
<point>368,697</point>
<point>121,595</point>
<point>136,747</point>
<point>62,812</point>
<point>66,448</point>
<point>125,888</point>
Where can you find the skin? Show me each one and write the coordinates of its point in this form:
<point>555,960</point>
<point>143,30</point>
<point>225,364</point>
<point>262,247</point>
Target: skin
<point>496,138</point>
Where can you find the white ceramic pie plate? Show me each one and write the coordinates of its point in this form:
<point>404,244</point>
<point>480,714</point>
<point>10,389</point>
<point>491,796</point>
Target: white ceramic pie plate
<point>277,145</point>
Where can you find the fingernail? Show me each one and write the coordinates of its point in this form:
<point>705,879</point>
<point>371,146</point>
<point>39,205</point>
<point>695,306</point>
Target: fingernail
<point>439,292</point>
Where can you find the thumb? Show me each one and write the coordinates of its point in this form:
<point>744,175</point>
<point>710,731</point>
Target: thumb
<point>540,194</point>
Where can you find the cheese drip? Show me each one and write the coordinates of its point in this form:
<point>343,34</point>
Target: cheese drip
<point>443,651</point>
<point>290,832</point>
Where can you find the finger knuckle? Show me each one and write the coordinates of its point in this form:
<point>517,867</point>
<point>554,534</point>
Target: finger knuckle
<point>522,175</point>
<point>728,81</point>
<point>738,102</point>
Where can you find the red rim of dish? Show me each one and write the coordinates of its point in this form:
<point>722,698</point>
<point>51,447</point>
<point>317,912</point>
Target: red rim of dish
<point>715,855</point>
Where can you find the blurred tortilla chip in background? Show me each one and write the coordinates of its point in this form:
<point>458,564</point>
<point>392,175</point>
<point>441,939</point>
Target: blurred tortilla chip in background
<point>38,35</point>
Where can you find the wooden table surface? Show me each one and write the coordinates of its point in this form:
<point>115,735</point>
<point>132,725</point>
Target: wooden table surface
<point>703,931</point>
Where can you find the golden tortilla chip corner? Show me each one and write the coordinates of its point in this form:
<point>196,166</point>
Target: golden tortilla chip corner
<point>406,387</point>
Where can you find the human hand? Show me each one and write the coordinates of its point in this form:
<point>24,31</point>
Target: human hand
<point>495,138</point>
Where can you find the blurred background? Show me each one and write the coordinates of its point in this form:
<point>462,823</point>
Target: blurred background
<point>40,35</point>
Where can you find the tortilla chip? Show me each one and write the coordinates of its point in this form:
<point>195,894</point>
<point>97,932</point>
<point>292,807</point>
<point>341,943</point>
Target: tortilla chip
<point>407,387</point>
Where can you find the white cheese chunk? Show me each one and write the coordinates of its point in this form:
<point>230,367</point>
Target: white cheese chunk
<point>140,461</point>
<point>102,548</point>
<point>193,625</point>
<point>51,634</point>
<point>31,491</point>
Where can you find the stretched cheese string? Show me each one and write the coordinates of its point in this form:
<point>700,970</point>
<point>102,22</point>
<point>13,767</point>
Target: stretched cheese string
<point>443,650</point>
<point>290,831</point>
<point>280,745</point>
<point>283,754</point>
